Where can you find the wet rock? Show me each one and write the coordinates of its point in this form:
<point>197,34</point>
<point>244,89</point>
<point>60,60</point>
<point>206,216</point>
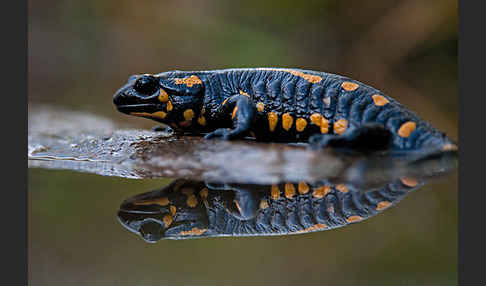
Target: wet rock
<point>63,139</point>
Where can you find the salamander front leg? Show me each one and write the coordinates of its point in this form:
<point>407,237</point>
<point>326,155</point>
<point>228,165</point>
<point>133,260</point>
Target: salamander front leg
<point>242,200</point>
<point>242,113</point>
<point>366,138</point>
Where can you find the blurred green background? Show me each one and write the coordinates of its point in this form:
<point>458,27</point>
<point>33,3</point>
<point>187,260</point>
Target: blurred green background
<point>80,52</point>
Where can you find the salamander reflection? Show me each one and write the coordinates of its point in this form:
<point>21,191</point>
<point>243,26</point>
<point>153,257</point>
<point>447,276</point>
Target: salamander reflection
<point>189,209</point>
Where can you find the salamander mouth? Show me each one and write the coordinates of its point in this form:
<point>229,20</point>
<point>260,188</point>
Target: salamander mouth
<point>128,100</point>
<point>145,107</point>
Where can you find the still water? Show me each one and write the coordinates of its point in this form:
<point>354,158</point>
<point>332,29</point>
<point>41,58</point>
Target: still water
<point>235,213</point>
<point>76,238</point>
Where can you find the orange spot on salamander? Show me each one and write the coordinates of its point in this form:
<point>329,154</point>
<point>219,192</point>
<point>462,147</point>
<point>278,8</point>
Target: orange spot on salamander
<point>191,201</point>
<point>321,191</point>
<point>160,201</point>
<point>300,124</point>
<point>409,182</point>
<point>340,126</point>
<point>324,125</point>
<point>354,218</point>
<point>263,204</point>
<point>188,114</point>
<point>158,114</point>
<point>244,93</point>
<point>260,106</point>
<point>272,120</point>
<point>406,129</point>
<point>379,100</point>
<point>189,81</point>
<point>169,106</point>
<point>287,121</point>
<point>315,227</point>
<point>320,121</point>
<point>204,193</point>
<point>342,188</point>
<point>289,191</point>
<point>349,86</point>
<point>382,205</point>
<point>308,77</point>
<point>163,96</point>
<point>234,112</point>
<point>201,120</point>
<point>194,231</point>
<point>316,118</point>
<point>173,210</point>
<point>275,192</point>
<point>303,188</point>
<point>167,219</point>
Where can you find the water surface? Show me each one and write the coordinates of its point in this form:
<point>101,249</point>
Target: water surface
<point>76,236</point>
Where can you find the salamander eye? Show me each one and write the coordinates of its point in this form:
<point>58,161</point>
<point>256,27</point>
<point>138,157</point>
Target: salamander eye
<point>151,231</point>
<point>146,84</point>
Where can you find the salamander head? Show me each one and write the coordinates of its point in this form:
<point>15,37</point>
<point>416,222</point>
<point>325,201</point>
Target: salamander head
<point>174,212</point>
<point>170,98</point>
<point>187,209</point>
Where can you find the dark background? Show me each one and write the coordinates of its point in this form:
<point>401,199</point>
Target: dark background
<point>80,52</point>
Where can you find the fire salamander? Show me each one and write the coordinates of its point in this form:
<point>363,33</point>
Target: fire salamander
<point>279,105</point>
<point>192,209</point>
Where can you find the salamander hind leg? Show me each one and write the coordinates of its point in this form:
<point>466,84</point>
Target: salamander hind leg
<point>365,138</point>
<point>242,114</point>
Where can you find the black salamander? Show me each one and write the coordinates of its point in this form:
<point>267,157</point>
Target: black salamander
<point>279,105</point>
<point>193,209</point>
